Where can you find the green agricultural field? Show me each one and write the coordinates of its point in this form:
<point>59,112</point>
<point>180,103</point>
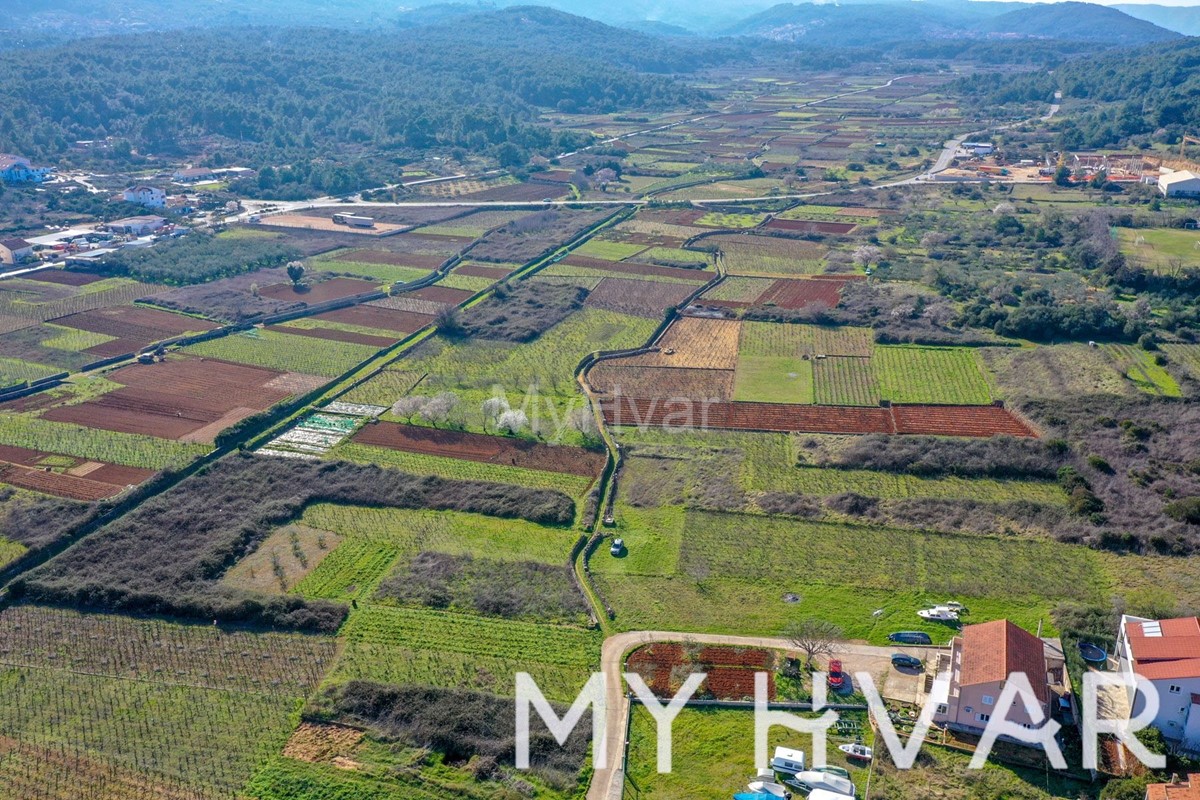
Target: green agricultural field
<point>471,283</point>
<point>594,276</point>
<point>612,251</point>
<point>424,646</point>
<point>845,381</point>
<point>774,379</point>
<point>312,323</point>
<point>673,255</point>
<point>539,376</point>
<point>714,219</point>
<point>739,289</point>
<point>131,449</point>
<point>1139,367</point>
<point>946,375</point>
<point>342,261</point>
<point>713,753</point>
<point>14,371</point>
<point>827,482</point>
<point>281,351</point>
<point>774,339</point>
<point>384,388</point>
<point>734,569</point>
<point>1186,355</point>
<point>10,551</point>
<point>943,773</point>
<point>153,708</point>
<point>458,469</point>
<point>1164,250</point>
<point>1055,371</point>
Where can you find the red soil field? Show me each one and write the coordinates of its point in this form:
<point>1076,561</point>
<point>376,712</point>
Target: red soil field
<point>442,294</point>
<point>485,449</point>
<point>801,293</point>
<point>57,484</point>
<point>674,217</point>
<point>336,335</point>
<point>608,377</point>
<point>63,277</point>
<point>730,670</point>
<point>476,271</point>
<point>134,326</point>
<point>969,421</point>
<point>640,298</point>
<point>381,318</point>
<point>630,268</point>
<point>333,289</point>
<point>810,227</point>
<point>119,475</point>
<point>419,260</point>
<point>746,416</point>
<point>190,398</point>
<point>981,421</point>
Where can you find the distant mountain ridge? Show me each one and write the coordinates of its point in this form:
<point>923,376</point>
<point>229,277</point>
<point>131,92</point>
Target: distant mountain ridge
<point>865,24</point>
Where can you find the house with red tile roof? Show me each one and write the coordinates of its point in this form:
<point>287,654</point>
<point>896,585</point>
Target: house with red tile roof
<point>1166,652</point>
<point>980,662</point>
<point>1176,790</point>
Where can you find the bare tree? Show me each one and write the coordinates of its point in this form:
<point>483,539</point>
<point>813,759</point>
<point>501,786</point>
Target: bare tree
<point>815,638</point>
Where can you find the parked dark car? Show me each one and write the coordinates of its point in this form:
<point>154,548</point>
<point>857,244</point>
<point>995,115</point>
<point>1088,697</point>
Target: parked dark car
<point>904,661</point>
<point>910,637</point>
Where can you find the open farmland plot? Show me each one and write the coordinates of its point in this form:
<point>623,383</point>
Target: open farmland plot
<point>537,377</point>
<point>693,342</point>
<point>188,399</point>
<point>285,352</point>
<point>637,297</point>
<point>959,421</point>
<point>945,375</point>
<point>321,292</point>
<point>611,378</point>
<point>132,327</point>
<point>66,476</point>
<point>422,646</point>
<point>845,381</point>
<point>806,226</point>
<point>794,293</point>
<point>646,271</point>
<point>370,317</point>
<point>774,379</point>
<point>476,447</point>
<point>733,570</point>
<point>673,414</point>
<point>108,707</point>
<point>770,256</point>
<point>1056,371</point>
<point>737,291</point>
<point>1139,367</point>
<point>35,301</point>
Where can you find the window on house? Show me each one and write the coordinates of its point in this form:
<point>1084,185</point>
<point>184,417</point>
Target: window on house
<point>943,708</point>
<point>983,717</point>
<point>968,709</point>
<point>988,700</point>
<point>1174,689</point>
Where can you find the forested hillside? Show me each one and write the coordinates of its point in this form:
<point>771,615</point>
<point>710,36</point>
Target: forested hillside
<point>284,96</point>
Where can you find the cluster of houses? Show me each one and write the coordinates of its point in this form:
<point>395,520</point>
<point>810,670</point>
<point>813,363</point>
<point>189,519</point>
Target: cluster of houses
<point>18,169</point>
<point>1166,653</point>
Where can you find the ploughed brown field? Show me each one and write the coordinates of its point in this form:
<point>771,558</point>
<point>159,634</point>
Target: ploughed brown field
<point>664,666</point>
<point>485,449</point>
<point>975,421</point>
<point>631,268</point>
<point>81,479</point>
<point>134,326</point>
<point>63,277</point>
<point>323,292</point>
<point>189,398</point>
<point>419,260</point>
<point>441,294</point>
<point>385,319</point>
<point>640,298</point>
<point>477,271</point>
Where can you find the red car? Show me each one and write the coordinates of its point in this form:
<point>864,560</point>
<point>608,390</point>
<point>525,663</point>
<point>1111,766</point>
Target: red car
<point>837,679</point>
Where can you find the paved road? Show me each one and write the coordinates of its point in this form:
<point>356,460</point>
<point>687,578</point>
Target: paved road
<point>608,782</point>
